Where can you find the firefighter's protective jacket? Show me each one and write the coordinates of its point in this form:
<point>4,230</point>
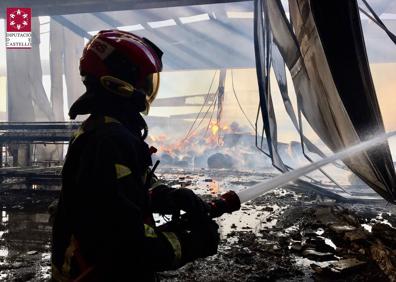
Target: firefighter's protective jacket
<point>104,220</point>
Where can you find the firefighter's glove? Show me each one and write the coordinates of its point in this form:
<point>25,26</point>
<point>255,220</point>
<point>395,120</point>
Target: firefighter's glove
<point>166,200</point>
<point>186,200</point>
<point>201,241</point>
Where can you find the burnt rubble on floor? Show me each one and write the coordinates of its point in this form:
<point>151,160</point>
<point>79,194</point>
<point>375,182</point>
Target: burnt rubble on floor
<point>339,242</point>
<point>312,238</point>
<point>284,235</point>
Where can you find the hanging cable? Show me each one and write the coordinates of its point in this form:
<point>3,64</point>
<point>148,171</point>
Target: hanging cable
<point>256,134</point>
<point>369,16</point>
<point>206,113</point>
<point>378,21</point>
<point>204,116</point>
<point>239,104</point>
<point>211,116</point>
<point>203,105</point>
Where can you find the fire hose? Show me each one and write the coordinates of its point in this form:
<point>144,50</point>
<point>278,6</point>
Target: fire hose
<point>231,201</point>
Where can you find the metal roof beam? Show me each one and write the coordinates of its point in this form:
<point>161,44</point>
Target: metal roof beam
<point>61,7</point>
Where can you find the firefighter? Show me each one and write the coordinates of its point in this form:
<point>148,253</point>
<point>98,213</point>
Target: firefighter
<point>103,229</point>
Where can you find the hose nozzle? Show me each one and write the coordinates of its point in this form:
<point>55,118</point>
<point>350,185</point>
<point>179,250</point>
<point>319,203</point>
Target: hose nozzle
<point>227,203</point>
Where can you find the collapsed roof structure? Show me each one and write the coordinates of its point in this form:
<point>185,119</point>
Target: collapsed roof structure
<point>331,93</point>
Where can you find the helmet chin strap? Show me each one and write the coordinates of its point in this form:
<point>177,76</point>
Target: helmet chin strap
<point>117,86</point>
<point>121,88</point>
<point>146,111</point>
<point>145,130</point>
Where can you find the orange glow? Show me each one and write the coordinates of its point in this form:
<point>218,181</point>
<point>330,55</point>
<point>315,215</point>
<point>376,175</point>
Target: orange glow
<point>197,141</point>
<point>214,187</point>
<point>214,128</point>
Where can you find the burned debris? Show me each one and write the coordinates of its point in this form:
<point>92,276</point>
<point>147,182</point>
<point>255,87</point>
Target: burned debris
<point>218,128</point>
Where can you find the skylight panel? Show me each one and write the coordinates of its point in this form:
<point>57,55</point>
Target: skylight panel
<point>239,15</point>
<point>159,24</point>
<point>193,19</point>
<point>134,27</point>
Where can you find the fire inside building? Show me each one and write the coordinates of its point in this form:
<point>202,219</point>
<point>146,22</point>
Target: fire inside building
<point>197,140</point>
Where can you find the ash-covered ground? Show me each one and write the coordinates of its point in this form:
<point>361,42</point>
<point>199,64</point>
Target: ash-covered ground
<point>283,236</point>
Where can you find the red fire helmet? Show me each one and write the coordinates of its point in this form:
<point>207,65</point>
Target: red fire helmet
<point>122,62</point>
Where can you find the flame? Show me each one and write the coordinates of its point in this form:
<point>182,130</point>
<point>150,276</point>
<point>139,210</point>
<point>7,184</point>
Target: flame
<point>196,141</point>
<point>214,187</point>
<point>214,128</point>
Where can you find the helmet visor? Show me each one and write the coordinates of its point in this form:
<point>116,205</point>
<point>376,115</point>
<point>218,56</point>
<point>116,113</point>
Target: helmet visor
<point>151,87</point>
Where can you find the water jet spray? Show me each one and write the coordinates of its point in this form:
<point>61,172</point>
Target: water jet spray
<point>231,201</point>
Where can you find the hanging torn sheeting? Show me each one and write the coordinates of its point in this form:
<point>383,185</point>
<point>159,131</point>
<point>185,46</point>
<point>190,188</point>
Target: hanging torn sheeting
<point>66,47</point>
<point>307,157</point>
<point>280,74</point>
<point>27,100</point>
<point>262,45</point>
<point>260,49</point>
<point>264,59</point>
<point>278,66</point>
<point>263,66</point>
<point>333,93</point>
